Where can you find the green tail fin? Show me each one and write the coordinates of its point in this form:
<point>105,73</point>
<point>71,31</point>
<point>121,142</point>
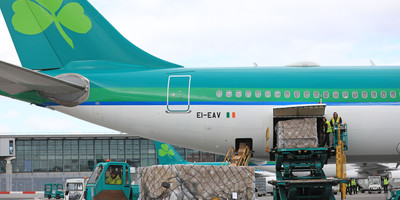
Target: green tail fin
<point>167,155</point>
<point>52,33</point>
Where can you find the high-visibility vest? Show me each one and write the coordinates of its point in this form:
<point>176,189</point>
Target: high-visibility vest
<point>337,120</point>
<point>354,183</point>
<point>385,181</point>
<point>329,129</point>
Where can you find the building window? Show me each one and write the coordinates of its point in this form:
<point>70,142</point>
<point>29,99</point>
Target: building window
<point>258,94</point>
<point>307,94</point>
<point>335,94</point>
<point>316,94</point>
<point>219,93</point>
<point>393,94</point>
<point>238,93</point>
<point>268,94</point>
<point>364,94</point>
<point>228,93</point>
<point>277,94</point>
<point>296,94</point>
<point>374,94</point>
<point>345,95</point>
<point>326,94</point>
<point>287,94</point>
<point>383,94</point>
<point>248,93</point>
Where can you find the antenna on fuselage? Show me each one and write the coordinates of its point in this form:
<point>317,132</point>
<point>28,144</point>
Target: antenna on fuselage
<point>372,62</point>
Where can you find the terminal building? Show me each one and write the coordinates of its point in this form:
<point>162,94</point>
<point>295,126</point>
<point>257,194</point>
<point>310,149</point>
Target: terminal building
<point>30,161</point>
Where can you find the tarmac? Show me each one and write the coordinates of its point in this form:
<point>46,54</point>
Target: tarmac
<point>359,196</point>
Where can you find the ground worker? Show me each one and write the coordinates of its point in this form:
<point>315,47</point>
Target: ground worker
<point>114,179</point>
<point>355,187</point>
<point>326,130</point>
<point>348,188</point>
<point>385,185</point>
<point>335,122</point>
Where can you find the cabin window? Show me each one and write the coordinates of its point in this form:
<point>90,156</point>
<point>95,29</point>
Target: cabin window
<point>287,94</point>
<point>268,94</point>
<point>335,94</point>
<point>306,94</point>
<point>374,94</point>
<point>277,94</point>
<point>393,94</point>
<point>364,94</point>
<point>229,93</point>
<point>219,93</point>
<point>326,94</point>
<point>296,94</point>
<point>354,94</point>
<point>239,93</point>
<point>248,93</point>
<point>258,94</point>
<point>316,94</point>
<point>383,94</point>
<point>345,95</point>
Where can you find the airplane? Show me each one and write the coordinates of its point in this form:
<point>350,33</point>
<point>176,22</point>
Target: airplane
<point>75,62</point>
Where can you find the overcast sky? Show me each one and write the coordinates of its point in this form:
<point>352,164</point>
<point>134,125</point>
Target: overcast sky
<point>231,33</point>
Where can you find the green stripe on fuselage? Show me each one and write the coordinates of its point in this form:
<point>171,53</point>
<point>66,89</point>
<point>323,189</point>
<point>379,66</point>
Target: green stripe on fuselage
<point>138,85</point>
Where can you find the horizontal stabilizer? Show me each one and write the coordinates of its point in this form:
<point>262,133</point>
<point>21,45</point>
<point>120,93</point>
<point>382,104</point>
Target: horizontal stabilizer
<point>15,80</point>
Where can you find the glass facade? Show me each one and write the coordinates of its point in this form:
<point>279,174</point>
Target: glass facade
<point>81,155</point>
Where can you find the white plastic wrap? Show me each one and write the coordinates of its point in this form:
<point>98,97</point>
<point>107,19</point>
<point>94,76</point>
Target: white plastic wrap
<point>297,133</point>
<point>188,182</point>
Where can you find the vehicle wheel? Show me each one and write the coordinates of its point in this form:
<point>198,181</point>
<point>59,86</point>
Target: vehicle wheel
<point>49,196</point>
<point>57,196</point>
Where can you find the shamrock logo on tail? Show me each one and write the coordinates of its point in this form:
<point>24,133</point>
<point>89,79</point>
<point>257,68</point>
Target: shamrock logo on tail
<point>32,18</point>
<point>165,151</point>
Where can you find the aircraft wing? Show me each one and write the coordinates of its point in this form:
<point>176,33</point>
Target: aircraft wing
<point>15,80</point>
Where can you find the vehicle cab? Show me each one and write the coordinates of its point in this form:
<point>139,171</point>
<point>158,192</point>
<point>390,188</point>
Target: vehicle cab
<point>109,180</point>
<point>75,189</point>
<point>374,184</point>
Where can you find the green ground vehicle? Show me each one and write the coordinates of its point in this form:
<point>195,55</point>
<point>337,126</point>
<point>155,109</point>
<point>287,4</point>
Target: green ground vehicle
<point>53,190</point>
<point>101,186</point>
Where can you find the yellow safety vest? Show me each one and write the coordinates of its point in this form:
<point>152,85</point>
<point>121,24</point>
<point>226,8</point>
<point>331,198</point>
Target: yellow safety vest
<point>337,120</point>
<point>329,129</point>
<point>116,181</point>
<point>385,182</point>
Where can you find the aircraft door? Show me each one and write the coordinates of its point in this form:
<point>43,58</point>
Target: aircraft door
<point>178,93</point>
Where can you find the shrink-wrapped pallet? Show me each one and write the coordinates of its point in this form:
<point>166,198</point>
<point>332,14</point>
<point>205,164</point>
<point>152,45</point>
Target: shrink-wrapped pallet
<point>188,182</point>
<point>297,133</point>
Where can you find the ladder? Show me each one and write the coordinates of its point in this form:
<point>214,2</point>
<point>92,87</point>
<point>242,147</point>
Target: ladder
<point>239,158</point>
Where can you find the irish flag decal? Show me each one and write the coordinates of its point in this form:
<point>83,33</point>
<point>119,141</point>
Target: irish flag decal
<point>230,115</point>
